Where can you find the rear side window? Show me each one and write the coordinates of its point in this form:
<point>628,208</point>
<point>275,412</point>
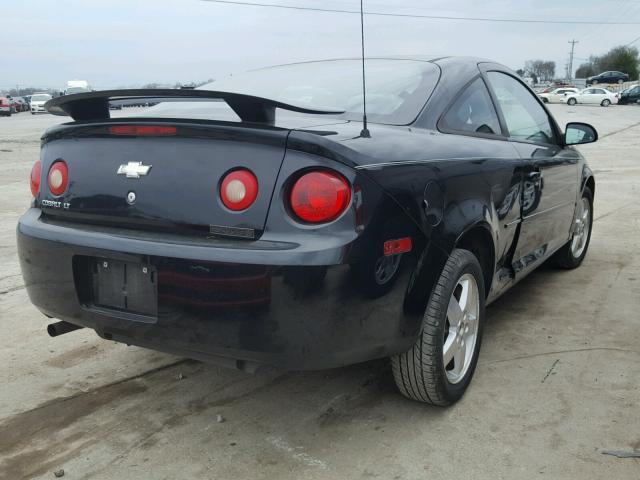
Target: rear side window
<point>526,119</point>
<point>472,112</point>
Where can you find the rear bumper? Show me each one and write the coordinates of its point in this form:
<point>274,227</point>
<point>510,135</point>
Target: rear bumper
<point>275,303</point>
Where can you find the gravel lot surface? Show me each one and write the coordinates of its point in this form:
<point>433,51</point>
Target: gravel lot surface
<point>557,383</point>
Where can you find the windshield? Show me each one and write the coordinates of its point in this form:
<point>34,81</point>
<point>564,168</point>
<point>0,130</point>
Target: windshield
<point>396,89</point>
<point>40,98</point>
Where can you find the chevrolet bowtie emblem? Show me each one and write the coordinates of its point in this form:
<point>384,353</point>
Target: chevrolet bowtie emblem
<point>133,169</point>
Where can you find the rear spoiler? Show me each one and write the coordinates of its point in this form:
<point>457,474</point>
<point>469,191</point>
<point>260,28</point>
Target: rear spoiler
<point>95,105</point>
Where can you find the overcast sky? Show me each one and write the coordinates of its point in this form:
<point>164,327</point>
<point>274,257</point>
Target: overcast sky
<point>130,42</point>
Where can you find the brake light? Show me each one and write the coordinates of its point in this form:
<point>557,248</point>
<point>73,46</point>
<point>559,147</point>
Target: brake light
<point>142,130</point>
<point>320,196</point>
<point>239,189</point>
<point>58,177</point>
<point>36,172</point>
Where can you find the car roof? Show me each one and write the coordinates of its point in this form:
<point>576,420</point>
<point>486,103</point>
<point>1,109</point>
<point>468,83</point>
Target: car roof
<point>419,58</point>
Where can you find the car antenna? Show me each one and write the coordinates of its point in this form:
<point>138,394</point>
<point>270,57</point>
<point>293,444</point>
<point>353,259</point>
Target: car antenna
<point>365,131</point>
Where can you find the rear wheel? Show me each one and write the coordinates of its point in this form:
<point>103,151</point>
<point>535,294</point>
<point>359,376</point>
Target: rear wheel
<point>606,102</point>
<point>572,101</point>
<point>438,368</point>
<point>573,253</point>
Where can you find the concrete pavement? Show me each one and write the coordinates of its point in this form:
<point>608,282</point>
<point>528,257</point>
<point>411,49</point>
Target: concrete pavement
<point>558,379</point>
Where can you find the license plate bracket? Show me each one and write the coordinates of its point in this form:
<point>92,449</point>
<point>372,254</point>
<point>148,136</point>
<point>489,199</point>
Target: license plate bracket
<point>125,286</point>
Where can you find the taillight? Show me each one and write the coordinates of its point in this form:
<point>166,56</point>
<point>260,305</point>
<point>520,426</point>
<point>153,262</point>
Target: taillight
<point>36,173</point>
<point>142,130</point>
<point>239,189</point>
<point>320,196</point>
<point>58,177</point>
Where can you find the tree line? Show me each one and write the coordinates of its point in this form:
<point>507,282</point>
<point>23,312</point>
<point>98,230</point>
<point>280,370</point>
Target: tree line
<point>619,59</point>
<point>539,70</point>
<point>623,59</point>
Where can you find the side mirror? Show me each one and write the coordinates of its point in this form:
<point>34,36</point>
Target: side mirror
<point>579,133</point>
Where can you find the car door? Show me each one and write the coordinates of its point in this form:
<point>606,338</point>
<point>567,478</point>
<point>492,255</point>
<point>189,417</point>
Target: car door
<point>599,94</point>
<point>588,97</point>
<point>550,172</point>
<point>473,118</point>
<point>561,93</point>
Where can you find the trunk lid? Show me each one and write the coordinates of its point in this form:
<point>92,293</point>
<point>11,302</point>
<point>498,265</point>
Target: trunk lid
<point>180,190</point>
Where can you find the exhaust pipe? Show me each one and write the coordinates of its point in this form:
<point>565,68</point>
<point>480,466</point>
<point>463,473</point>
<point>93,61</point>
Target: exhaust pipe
<point>60,328</point>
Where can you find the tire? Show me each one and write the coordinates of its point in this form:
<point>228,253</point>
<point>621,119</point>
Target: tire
<point>545,100</point>
<point>606,102</point>
<point>569,257</point>
<point>421,373</point>
<point>571,102</point>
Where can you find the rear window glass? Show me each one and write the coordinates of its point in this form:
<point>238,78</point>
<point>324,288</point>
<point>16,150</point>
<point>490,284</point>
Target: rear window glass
<point>397,89</point>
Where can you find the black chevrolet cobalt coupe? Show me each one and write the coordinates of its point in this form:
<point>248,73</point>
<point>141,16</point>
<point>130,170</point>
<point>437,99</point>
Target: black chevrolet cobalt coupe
<point>258,221</point>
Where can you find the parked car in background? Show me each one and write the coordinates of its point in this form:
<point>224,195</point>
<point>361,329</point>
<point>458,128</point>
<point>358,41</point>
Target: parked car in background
<point>37,102</point>
<point>608,77</point>
<point>555,95</point>
<point>631,95</point>
<point>77,86</point>
<point>5,107</point>
<point>21,104</point>
<point>591,96</point>
<point>13,105</point>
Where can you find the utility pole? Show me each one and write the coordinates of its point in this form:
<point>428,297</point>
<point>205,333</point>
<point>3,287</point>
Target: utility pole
<point>573,46</point>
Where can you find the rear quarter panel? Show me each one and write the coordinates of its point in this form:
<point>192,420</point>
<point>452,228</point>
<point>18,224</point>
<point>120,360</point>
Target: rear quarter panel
<point>445,184</point>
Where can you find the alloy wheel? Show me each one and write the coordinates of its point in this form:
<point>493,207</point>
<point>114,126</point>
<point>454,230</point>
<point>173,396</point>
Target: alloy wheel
<point>461,330</point>
<point>581,228</point>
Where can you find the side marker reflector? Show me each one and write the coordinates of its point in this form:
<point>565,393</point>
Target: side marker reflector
<point>394,247</point>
